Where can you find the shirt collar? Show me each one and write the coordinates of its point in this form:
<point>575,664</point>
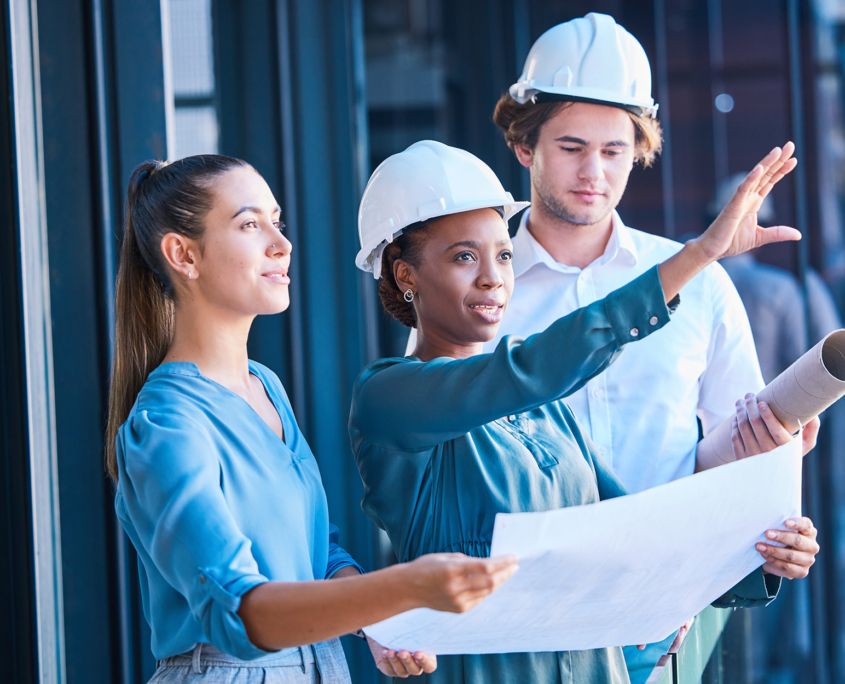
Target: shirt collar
<point>527,252</point>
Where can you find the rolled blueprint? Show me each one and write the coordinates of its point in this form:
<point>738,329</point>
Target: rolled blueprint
<point>801,392</point>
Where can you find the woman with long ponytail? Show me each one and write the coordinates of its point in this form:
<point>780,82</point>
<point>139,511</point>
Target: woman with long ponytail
<point>215,484</point>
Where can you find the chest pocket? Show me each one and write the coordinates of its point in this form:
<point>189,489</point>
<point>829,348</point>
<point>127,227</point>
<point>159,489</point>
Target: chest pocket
<point>544,458</point>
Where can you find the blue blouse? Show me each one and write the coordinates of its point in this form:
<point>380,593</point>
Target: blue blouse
<point>215,504</point>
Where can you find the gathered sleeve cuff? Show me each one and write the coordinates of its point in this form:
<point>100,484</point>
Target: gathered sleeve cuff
<point>411,405</point>
<point>338,557</point>
<point>756,590</point>
<point>169,488</point>
<point>639,308</point>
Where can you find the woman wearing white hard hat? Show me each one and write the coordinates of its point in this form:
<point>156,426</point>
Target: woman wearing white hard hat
<point>449,437</point>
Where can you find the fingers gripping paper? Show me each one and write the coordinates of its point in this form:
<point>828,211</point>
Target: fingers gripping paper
<point>801,392</point>
<point>630,570</point>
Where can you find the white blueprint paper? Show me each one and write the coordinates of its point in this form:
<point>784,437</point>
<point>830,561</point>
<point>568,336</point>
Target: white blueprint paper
<point>625,571</point>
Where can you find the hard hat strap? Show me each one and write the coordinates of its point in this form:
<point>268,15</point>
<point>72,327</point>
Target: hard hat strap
<point>543,98</point>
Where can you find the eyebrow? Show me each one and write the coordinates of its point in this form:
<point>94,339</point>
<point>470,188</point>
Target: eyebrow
<point>473,244</point>
<point>579,141</point>
<point>255,210</point>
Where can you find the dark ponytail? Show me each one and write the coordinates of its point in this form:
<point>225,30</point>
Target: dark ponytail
<point>162,198</point>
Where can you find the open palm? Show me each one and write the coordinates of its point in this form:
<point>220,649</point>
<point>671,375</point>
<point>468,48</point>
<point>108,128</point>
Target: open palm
<point>735,230</point>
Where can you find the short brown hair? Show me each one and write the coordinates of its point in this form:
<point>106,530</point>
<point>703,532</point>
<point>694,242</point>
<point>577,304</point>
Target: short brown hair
<point>521,125</point>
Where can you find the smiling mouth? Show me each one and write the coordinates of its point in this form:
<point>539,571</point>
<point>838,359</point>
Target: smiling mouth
<point>278,277</point>
<point>490,313</point>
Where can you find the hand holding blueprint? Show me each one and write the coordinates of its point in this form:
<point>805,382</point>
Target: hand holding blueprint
<point>626,571</point>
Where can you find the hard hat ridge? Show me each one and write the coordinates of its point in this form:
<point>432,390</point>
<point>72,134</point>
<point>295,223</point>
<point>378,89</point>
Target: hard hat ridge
<point>426,181</point>
<point>590,59</point>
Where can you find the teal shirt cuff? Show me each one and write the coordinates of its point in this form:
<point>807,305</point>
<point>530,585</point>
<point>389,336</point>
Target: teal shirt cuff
<point>756,590</point>
<point>338,557</point>
<point>639,308</point>
<point>333,569</point>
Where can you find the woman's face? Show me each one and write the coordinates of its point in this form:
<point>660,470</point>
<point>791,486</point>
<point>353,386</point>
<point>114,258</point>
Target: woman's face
<point>243,256</point>
<point>464,280</point>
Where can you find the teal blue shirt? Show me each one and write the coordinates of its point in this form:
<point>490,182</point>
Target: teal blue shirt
<point>443,446</point>
<point>215,504</point>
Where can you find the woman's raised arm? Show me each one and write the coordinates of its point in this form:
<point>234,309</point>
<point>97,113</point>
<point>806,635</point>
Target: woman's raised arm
<point>404,404</point>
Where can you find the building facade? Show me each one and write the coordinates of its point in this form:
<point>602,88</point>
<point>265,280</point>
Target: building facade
<point>314,94</point>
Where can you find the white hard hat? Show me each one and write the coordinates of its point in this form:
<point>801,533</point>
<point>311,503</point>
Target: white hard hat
<point>426,181</point>
<point>591,59</point>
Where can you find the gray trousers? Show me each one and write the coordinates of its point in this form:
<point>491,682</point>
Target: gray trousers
<point>322,663</point>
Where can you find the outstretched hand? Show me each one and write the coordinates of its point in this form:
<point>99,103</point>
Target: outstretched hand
<point>401,663</point>
<point>735,230</point>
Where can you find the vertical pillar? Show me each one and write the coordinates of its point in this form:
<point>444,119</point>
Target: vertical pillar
<point>814,500</point>
<point>323,163</point>
<point>36,342</point>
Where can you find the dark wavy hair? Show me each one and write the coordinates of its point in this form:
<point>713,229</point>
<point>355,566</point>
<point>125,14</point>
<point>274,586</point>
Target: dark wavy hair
<point>407,247</point>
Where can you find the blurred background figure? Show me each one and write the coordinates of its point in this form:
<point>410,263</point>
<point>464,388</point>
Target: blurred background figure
<point>786,320</point>
<point>783,323</point>
<point>314,94</point>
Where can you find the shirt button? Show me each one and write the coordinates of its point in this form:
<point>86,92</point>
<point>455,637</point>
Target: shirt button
<point>635,332</point>
<point>202,579</point>
<point>653,320</point>
<point>598,392</point>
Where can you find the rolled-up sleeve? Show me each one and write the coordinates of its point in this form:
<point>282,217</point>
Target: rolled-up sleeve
<point>169,487</point>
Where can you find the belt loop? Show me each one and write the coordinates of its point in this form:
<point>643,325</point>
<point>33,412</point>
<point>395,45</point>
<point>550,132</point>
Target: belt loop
<point>302,659</point>
<point>314,649</point>
<point>196,662</point>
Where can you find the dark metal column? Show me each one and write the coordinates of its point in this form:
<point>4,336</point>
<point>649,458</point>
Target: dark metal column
<point>324,155</point>
<point>813,489</point>
<point>81,224</point>
<point>661,69</point>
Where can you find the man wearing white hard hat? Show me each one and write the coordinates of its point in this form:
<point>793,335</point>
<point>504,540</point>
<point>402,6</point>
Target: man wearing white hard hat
<point>579,118</point>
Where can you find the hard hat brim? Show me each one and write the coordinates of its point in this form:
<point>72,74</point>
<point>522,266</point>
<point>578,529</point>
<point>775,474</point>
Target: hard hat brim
<point>363,261</point>
<point>542,97</point>
<point>588,95</point>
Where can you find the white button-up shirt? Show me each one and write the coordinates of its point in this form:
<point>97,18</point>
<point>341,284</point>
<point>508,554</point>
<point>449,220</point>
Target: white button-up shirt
<point>641,412</point>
